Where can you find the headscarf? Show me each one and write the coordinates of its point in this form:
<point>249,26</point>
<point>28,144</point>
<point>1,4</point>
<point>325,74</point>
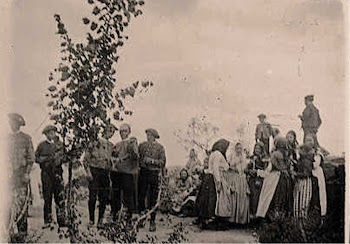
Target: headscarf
<point>221,146</point>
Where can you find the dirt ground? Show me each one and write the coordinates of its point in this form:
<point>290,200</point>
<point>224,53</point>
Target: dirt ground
<point>165,226</point>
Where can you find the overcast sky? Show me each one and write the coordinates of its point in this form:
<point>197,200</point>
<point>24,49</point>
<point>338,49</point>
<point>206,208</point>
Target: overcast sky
<point>226,60</point>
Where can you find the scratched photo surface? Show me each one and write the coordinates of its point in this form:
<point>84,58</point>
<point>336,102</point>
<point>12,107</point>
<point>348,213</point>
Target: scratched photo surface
<point>195,71</point>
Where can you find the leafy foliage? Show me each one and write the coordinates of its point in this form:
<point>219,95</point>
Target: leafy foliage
<point>200,134</point>
<point>81,87</point>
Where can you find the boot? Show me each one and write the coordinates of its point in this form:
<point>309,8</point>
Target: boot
<point>152,226</point>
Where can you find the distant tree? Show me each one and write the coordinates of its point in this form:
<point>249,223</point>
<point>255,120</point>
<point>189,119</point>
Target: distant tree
<point>83,90</point>
<point>200,134</point>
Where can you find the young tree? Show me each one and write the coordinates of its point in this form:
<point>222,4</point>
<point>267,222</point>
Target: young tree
<point>81,90</point>
<point>200,134</point>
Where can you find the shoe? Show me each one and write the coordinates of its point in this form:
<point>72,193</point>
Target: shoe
<point>46,225</point>
<point>91,223</point>
<point>100,224</point>
<point>152,226</point>
<point>196,221</point>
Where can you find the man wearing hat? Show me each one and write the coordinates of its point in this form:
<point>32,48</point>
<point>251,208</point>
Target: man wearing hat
<point>49,156</point>
<point>152,162</point>
<point>21,159</point>
<point>310,119</point>
<point>263,133</point>
<point>97,162</point>
<point>124,172</point>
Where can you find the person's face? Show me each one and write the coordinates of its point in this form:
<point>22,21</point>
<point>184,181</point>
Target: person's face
<point>109,132</point>
<point>239,149</point>
<point>257,150</point>
<point>51,135</point>
<point>183,175</point>
<point>124,132</point>
<point>307,102</point>
<point>262,120</point>
<point>14,126</point>
<point>150,137</point>
<point>309,141</point>
<point>290,138</point>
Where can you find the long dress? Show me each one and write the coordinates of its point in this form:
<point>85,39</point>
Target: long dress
<point>255,181</point>
<point>239,188</point>
<point>308,203</point>
<point>217,166</point>
<point>276,194</point>
<point>206,198</point>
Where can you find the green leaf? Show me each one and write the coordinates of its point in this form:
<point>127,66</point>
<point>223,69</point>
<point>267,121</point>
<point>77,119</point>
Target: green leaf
<point>91,1</point>
<point>141,3</point>
<point>50,104</point>
<point>52,88</point>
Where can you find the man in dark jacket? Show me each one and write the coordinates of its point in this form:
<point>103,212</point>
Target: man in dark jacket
<point>49,156</point>
<point>152,162</point>
<point>263,133</point>
<point>123,173</point>
<point>310,119</point>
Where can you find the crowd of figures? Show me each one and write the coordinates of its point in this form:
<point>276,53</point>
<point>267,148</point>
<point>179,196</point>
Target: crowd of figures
<point>281,178</point>
<point>278,180</point>
<point>125,175</point>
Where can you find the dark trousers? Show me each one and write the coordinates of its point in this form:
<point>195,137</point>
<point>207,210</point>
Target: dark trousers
<point>266,143</point>
<point>98,188</point>
<point>148,188</point>
<point>123,190</point>
<point>313,132</point>
<point>52,183</point>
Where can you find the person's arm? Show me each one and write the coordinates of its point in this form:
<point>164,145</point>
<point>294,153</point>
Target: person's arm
<point>30,155</point>
<point>160,162</point>
<point>257,133</point>
<point>39,158</point>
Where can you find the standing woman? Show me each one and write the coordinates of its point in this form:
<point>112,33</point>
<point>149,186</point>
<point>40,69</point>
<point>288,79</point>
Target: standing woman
<point>218,166</point>
<point>309,192</point>
<point>276,195</point>
<point>239,189</point>
<point>292,145</point>
<point>256,165</point>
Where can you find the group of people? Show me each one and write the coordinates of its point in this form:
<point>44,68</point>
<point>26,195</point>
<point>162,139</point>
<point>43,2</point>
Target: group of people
<point>123,174</point>
<point>284,181</point>
<point>233,187</point>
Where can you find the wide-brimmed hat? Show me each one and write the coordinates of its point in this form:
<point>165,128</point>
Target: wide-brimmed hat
<point>309,97</point>
<point>153,132</point>
<point>49,128</point>
<point>17,118</point>
<point>262,116</point>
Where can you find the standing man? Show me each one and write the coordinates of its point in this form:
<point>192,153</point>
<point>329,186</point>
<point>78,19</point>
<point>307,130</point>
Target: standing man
<point>263,133</point>
<point>49,156</point>
<point>97,162</point>
<point>21,157</point>
<point>124,172</point>
<point>152,163</point>
<point>310,119</point>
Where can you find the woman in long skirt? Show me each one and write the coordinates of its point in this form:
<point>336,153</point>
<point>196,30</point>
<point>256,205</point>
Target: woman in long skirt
<point>309,191</point>
<point>238,185</point>
<point>257,164</point>
<point>276,200</point>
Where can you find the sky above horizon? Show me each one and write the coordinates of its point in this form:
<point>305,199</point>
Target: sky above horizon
<point>227,61</point>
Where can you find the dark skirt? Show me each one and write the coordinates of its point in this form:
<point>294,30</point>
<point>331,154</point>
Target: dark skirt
<point>206,199</point>
<point>255,185</point>
<point>282,201</point>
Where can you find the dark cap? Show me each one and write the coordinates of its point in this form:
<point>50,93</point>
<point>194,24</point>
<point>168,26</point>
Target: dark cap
<point>309,97</point>
<point>49,128</point>
<point>153,132</point>
<point>17,118</point>
<point>262,116</point>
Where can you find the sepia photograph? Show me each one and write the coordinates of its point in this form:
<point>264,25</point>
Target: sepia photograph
<point>174,121</point>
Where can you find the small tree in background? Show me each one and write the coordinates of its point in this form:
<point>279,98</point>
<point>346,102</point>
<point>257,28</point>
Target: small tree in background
<point>200,134</point>
<point>81,90</point>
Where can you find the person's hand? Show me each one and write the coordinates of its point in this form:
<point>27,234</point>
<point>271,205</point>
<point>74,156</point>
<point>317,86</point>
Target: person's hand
<point>219,186</point>
<point>148,160</point>
<point>89,175</point>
